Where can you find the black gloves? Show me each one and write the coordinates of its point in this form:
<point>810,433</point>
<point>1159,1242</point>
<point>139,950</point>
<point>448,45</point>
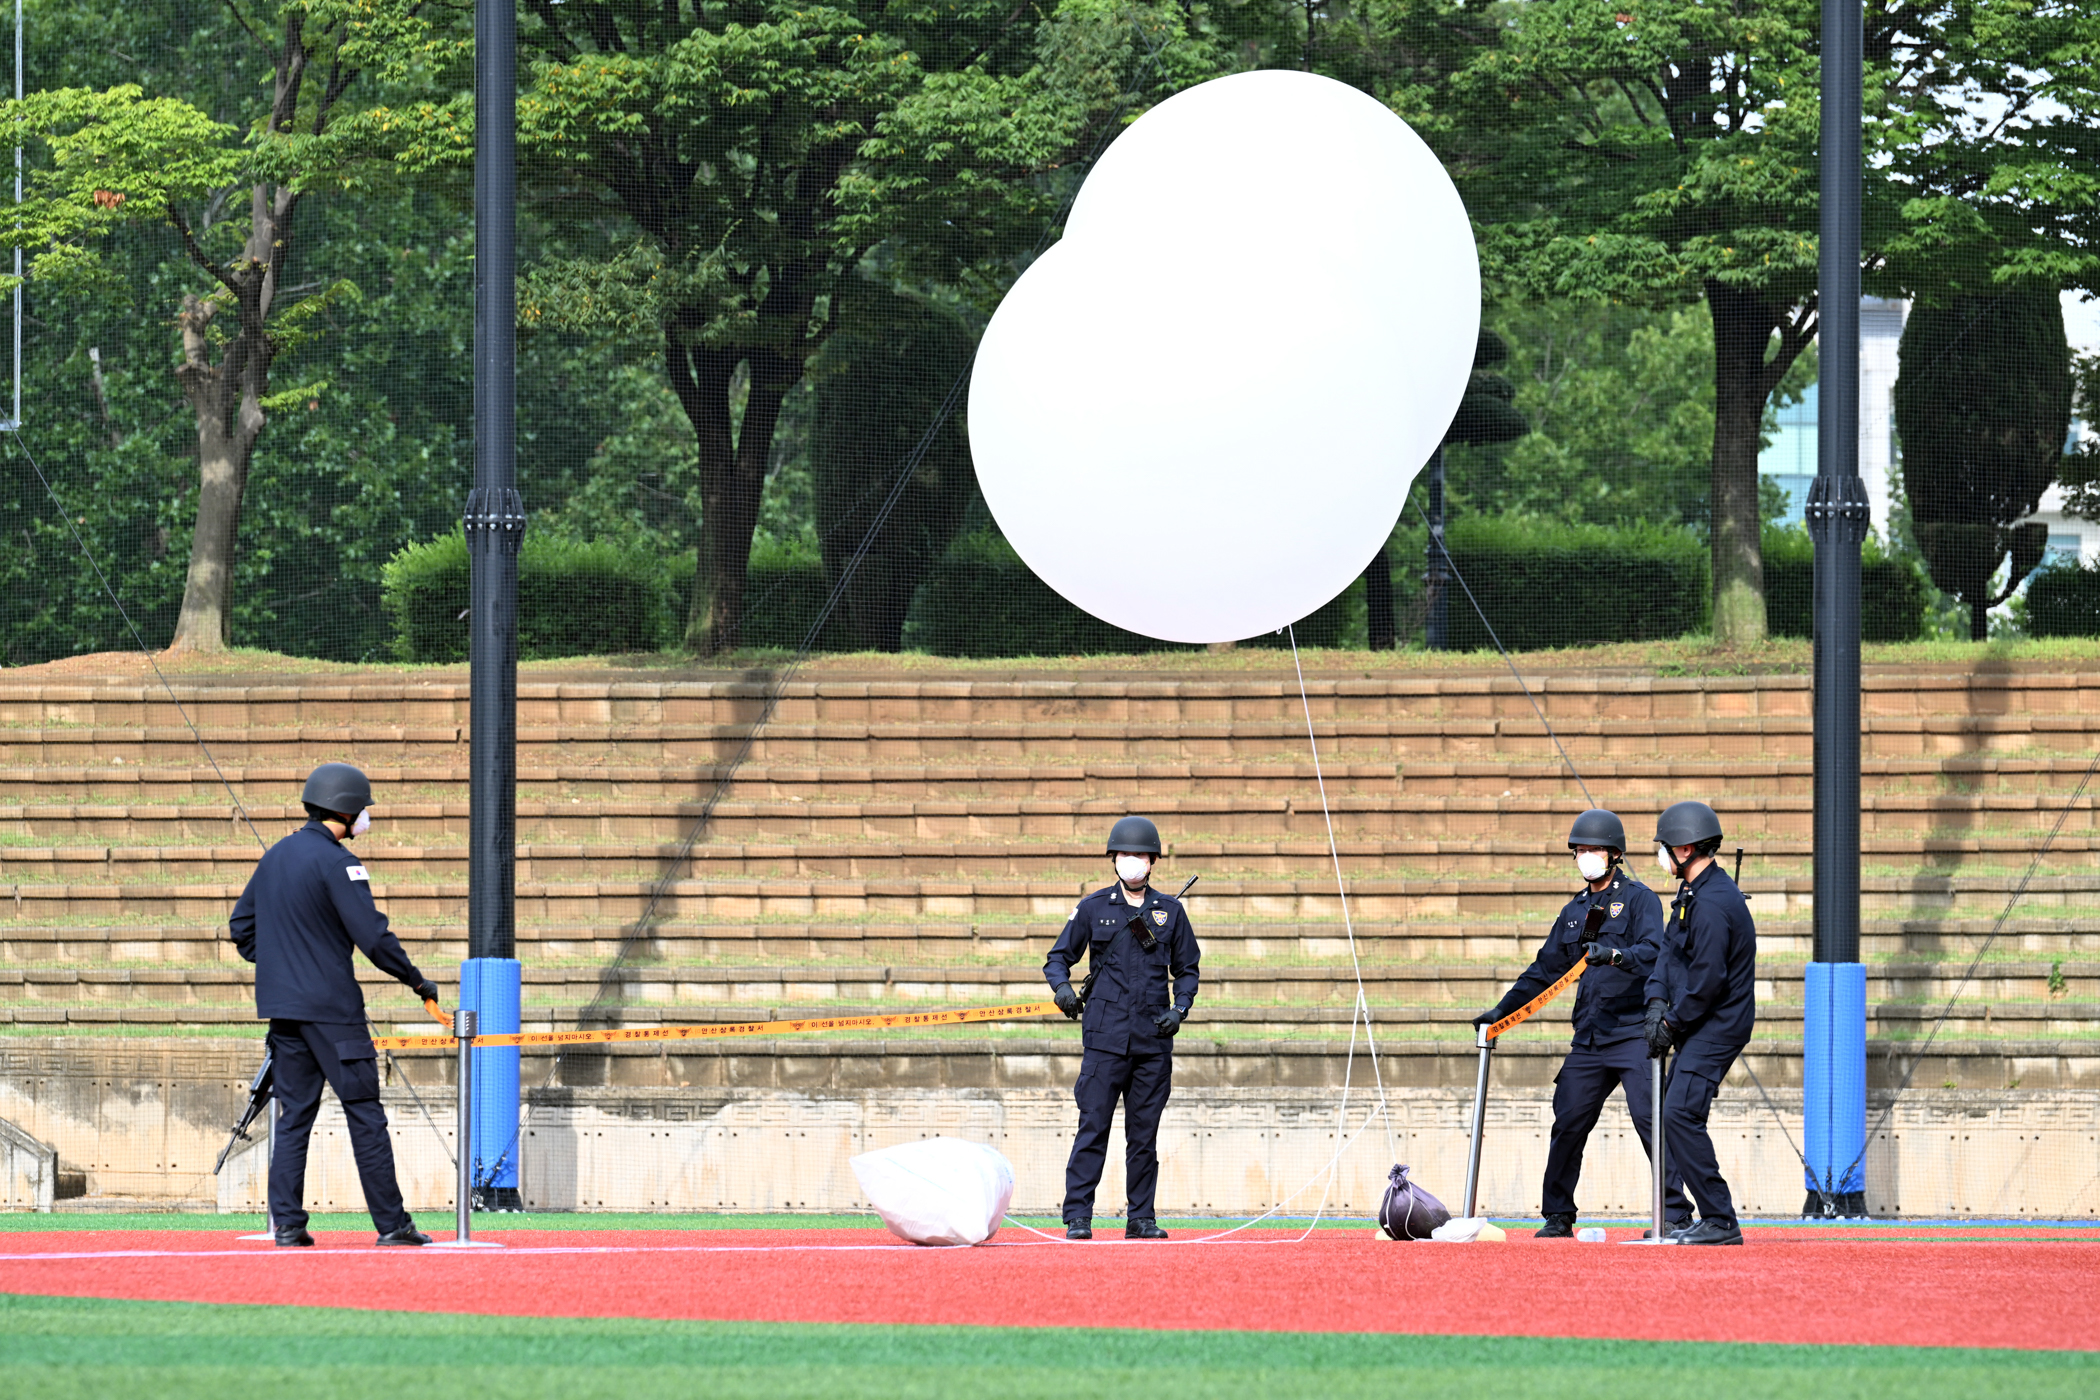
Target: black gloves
<point>1488,1017</point>
<point>1068,1002</point>
<point>1166,1020</point>
<point>428,991</point>
<point>1597,955</point>
<point>1660,1035</point>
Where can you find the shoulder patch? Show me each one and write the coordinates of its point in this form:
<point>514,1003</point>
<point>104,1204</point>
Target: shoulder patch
<point>1617,908</point>
<point>1075,911</point>
<point>1159,916</point>
<point>357,872</point>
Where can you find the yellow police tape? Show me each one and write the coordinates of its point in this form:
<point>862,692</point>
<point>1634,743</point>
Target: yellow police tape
<point>1538,1003</point>
<point>806,1026</point>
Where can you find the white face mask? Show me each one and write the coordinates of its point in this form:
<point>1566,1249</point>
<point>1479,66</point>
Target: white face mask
<point>363,823</point>
<point>1592,864</point>
<point>1667,861</point>
<point>1132,870</point>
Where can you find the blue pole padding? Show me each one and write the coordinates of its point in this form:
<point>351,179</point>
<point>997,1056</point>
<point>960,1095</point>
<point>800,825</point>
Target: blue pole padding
<point>1834,1081</point>
<point>492,987</point>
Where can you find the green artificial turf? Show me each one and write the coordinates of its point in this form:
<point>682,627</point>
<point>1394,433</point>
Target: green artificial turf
<point>65,1347</point>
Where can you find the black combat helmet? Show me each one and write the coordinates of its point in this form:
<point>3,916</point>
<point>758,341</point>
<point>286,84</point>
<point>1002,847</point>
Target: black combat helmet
<point>1687,824</point>
<point>1598,827</point>
<point>338,788</point>
<point>1135,835</point>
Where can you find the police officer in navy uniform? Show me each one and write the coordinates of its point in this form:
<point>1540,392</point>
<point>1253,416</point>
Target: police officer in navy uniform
<point>1137,942</point>
<point>306,909</point>
<point>1615,926</point>
<point>1702,1000</point>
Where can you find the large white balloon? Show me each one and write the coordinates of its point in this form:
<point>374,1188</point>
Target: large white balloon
<point>1198,415</point>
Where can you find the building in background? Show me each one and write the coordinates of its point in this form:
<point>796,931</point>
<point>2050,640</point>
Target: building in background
<point>1790,461</point>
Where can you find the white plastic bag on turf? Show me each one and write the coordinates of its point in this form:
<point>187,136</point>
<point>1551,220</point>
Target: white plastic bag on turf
<point>938,1190</point>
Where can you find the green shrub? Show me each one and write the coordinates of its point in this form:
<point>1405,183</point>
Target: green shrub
<point>982,600</point>
<point>598,598</point>
<point>1893,592</point>
<point>783,592</point>
<point>575,598</point>
<point>2064,601</point>
<point>1545,584</point>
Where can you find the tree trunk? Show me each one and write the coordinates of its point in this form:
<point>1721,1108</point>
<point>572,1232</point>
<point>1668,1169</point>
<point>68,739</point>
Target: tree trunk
<point>1744,326</point>
<point>1378,602</point>
<point>1980,617</point>
<point>226,398</point>
<point>732,476</point>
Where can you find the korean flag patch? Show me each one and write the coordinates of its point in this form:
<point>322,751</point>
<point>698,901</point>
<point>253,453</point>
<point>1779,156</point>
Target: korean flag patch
<point>357,872</point>
<point>1159,916</point>
<point>1617,909</point>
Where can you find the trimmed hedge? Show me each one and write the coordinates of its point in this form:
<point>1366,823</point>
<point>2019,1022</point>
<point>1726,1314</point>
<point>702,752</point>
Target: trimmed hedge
<point>574,598</point>
<point>1893,592</point>
<point>1544,584</point>
<point>2064,601</point>
<point>981,600</point>
<point>594,598</point>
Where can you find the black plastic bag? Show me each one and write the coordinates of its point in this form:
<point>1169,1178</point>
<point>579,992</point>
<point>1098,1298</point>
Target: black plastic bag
<point>1408,1212</point>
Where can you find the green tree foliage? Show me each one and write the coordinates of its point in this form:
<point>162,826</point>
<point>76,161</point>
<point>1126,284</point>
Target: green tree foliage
<point>113,157</point>
<point>1983,401</point>
<point>1654,152</point>
<point>718,171</point>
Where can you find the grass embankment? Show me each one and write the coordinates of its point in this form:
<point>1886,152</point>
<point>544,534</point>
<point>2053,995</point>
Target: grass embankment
<point>1684,656</point>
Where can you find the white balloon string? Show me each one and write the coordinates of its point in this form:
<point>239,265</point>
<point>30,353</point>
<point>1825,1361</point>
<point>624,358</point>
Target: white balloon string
<point>1334,850</point>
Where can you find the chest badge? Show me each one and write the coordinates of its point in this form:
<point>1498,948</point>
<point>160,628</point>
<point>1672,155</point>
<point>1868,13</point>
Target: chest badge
<point>1618,909</point>
<point>1159,916</point>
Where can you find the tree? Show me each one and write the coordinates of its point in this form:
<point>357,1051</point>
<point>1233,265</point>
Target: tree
<point>118,157</point>
<point>1657,152</point>
<point>880,384</point>
<point>1983,401</point>
<point>761,150</point>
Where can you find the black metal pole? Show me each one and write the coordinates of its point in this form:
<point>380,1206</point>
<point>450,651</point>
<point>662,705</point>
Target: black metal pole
<point>1837,517</point>
<point>495,518</point>
<point>490,979</point>
<point>1438,576</point>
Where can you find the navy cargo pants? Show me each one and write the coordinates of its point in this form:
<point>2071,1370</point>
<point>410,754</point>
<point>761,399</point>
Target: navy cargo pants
<point>1143,1083</point>
<point>307,1054</point>
<point>1580,1091</point>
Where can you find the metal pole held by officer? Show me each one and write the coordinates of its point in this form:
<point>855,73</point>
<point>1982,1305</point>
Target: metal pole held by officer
<point>307,908</point>
<point>1142,960</point>
<point>1614,925</point>
<point>1701,1002</point>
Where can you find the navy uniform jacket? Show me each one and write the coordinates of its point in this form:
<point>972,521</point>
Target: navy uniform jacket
<point>1132,986</point>
<point>308,904</point>
<point>1707,974</point>
<point>1610,1002</point>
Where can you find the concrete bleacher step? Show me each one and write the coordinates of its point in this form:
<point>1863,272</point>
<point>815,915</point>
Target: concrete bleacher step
<point>1350,739</point>
<point>1401,815</point>
<point>1463,984</point>
<point>726,899</point>
<point>985,940</point>
<point>1992,845</point>
<point>544,778</point>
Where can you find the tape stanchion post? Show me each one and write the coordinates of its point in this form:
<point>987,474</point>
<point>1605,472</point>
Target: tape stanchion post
<point>1486,1041</point>
<point>812,1025</point>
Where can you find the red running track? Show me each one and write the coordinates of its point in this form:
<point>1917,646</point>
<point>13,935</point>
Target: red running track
<point>2032,1290</point>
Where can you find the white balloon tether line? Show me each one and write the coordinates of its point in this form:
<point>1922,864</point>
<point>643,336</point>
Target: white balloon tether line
<point>1327,1173</point>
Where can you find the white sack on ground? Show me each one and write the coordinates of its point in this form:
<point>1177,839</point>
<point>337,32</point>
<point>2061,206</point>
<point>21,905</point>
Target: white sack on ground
<point>938,1190</point>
